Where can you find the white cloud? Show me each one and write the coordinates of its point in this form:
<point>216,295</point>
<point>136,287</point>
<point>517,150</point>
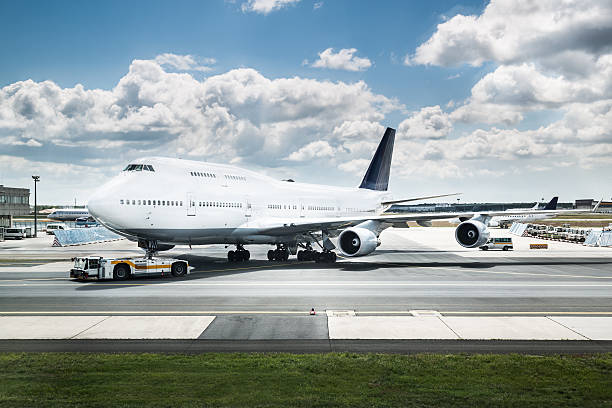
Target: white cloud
<point>185,62</point>
<point>511,32</point>
<point>317,5</point>
<point>429,123</point>
<point>314,150</point>
<point>266,6</point>
<point>343,59</point>
<point>239,115</point>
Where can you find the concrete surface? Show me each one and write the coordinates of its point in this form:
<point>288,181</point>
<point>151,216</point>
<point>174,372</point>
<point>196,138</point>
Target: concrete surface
<point>148,327</point>
<point>388,328</point>
<point>46,327</point>
<point>593,328</point>
<point>510,328</point>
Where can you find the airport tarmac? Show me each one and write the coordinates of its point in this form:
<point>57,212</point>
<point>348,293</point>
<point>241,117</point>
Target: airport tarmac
<point>416,269</point>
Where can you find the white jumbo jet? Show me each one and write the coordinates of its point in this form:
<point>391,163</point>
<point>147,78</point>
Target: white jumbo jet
<point>161,202</point>
<point>531,214</point>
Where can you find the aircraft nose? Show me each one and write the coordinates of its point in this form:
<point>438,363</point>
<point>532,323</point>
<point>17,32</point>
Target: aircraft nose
<point>100,204</point>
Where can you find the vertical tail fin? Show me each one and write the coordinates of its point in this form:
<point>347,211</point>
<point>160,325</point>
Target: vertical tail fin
<point>377,176</point>
<point>552,204</point>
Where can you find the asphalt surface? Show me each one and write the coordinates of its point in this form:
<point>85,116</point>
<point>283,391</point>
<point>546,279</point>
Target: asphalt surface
<point>309,346</point>
<point>263,306</point>
<point>393,280</point>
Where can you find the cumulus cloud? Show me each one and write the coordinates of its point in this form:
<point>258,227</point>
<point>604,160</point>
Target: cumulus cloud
<point>343,59</point>
<point>314,150</point>
<point>511,32</point>
<point>429,123</point>
<point>549,55</point>
<point>238,116</point>
<point>265,6</point>
<point>185,62</point>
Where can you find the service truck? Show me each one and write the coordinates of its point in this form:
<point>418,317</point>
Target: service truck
<point>98,267</point>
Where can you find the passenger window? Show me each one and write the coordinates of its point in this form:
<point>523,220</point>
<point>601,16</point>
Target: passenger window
<point>120,201</point>
<point>133,202</point>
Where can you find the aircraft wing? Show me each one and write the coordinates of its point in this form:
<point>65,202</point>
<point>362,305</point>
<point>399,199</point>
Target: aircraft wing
<point>291,226</point>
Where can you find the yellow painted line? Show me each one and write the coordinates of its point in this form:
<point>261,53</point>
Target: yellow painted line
<point>177,312</point>
<point>331,284</point>
<point>529,313</point>
<point>287,312</point>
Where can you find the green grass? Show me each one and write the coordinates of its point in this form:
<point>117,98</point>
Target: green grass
<point>317,380</point>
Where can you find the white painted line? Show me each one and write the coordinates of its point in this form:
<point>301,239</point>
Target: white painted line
<point>595,328</point>
<point>340,313</point>
<point>149,327</point>
<point>388,327</point>
<point>425,313</point>
<point>509,328</point>
<point>45,327</point>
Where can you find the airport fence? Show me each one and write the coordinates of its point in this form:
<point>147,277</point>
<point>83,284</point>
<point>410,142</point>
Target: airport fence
<point>82,236</point>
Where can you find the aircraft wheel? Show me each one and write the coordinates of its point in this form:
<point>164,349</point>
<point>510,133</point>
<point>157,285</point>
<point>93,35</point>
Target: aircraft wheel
<point>271,255</point>
<point>231,256</point>
<point>246,255</point>
<point>300,255</point>
<point>332,257</point>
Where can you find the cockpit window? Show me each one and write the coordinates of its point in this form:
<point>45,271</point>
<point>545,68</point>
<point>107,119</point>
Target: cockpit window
<point>139,167</point>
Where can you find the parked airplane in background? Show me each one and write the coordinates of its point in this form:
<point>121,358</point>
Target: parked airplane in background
<point>531,214</point>
<point>68,214</point>
<point>161,202</point>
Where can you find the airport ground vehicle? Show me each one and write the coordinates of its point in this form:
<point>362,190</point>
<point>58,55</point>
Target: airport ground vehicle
<point>97,267</point>
<point>15,233</point>
<point>54,227</point>
<point>504,244</point>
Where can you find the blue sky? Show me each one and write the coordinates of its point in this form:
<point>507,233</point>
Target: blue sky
<point>485,95</point>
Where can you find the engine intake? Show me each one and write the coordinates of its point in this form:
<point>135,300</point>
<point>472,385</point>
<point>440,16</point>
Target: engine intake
<point>471,234</point>
<point>357,242</point>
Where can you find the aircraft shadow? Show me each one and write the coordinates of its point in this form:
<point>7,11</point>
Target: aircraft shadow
<point>211,267</point>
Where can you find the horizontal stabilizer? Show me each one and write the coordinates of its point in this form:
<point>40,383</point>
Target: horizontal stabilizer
<point>418,199</point>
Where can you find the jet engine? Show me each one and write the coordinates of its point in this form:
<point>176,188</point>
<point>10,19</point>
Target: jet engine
<point>357,242</point>
<point>471,234</point>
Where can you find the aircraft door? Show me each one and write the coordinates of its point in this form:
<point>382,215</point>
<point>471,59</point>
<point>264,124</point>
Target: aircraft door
<point>191,205</point>
<point>248,210</point>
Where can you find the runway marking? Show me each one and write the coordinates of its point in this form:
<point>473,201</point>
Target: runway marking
<point>555,275</point>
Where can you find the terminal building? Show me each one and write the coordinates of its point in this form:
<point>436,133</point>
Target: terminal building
<point>14,201</point>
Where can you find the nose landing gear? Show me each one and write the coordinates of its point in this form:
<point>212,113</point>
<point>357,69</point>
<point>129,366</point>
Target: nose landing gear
<point>239,255</point>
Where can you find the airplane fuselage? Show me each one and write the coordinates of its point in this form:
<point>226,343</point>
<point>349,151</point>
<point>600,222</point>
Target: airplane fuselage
<point>183,201</point>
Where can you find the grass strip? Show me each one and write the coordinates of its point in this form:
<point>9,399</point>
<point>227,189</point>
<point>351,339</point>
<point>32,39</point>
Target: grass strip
<point>314,380</point>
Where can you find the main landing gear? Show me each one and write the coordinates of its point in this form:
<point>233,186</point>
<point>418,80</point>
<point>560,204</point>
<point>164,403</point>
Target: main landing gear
<point>325,256</point>
<point>281,253</point>
<point>239,255</point>
<point>310,254</point>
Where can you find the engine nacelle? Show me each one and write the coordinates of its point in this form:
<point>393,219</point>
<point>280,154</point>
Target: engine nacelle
<point>471,234</point>
<point>357,242</point>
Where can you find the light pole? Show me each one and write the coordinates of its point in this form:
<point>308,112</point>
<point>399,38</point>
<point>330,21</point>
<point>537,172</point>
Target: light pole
<point>36,180</point>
